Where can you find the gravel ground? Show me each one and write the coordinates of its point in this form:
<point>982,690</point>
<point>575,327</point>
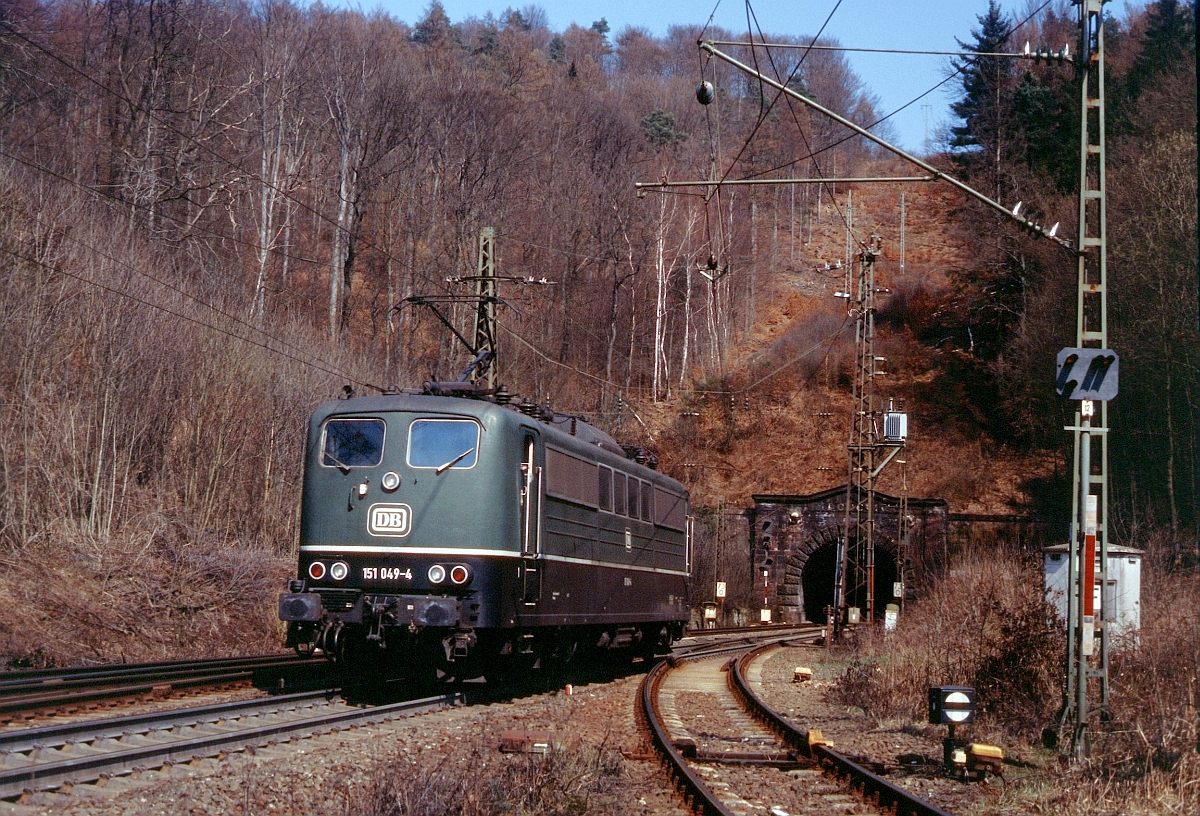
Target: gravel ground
<point>853,735</point>
<point>348,772</point>
<point>456,753</point>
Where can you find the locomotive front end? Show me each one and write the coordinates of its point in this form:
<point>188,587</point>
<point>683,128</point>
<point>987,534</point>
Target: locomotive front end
<point>404,523</point>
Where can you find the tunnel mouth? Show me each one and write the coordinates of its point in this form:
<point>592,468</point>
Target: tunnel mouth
<point>819,573</point>
<point>817,581</point>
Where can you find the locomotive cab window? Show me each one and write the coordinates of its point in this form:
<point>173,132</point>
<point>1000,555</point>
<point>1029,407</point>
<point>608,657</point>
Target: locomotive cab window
<point>443,444</point>
<point>353,443</point>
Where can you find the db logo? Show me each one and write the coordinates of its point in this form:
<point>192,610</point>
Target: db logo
<point>389,519</point>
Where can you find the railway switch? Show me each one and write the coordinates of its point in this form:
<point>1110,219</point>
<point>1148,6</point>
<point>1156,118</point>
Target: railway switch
<point>982,759</point>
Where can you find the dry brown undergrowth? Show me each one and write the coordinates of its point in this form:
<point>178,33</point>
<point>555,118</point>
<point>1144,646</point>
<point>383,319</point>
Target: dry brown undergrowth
<point>149,593</point>
<point>986,625</point>
<point>574,780</point>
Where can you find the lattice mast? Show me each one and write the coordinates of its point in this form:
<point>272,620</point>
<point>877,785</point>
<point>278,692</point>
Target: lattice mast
<point>903,533</point>
<point>856,561</point>
<point>1087,643</point>
<point>485,312</point>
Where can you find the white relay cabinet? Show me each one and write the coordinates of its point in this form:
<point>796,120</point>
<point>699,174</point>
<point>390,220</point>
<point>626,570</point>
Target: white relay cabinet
<point>1122,594</point>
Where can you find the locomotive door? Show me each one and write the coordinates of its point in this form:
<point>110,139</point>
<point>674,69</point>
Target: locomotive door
<point>531,525</point>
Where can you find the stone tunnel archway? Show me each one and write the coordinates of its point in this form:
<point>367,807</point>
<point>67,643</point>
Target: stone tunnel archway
<point>811,570</point>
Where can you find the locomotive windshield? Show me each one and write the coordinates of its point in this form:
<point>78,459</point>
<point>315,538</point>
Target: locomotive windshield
<point>443,444</point>
<point>353,443</point>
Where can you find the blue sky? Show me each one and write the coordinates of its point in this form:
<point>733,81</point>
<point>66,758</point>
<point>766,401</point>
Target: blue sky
<point>929,25</point>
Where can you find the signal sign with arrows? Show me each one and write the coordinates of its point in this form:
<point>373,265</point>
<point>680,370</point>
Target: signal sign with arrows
<point>1087,374</point>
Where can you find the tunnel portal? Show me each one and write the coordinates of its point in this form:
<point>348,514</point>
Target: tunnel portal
<point>808,587</point>
<point>795,542</point>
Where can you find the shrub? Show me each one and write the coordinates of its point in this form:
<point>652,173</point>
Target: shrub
<point>857,686</point>
<point>987,625</point>
<point>477,781</point>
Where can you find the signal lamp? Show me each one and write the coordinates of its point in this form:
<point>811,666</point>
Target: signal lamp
<point>1087,374</point>
<point>951,705</point>
<point>316,570</point>
<point>339,570</point>
<point>437,574</point>
<point>459,574</point>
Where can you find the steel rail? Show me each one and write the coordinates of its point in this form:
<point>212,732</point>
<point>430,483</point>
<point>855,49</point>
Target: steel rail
<point>693,788</point>
<point>699,796</point>
<point>761,629</point>
<point>56,735</point>
<point>46,692</point>
<point>872,786</point>
<point>20,680</point>
<point>99,762</point>
<point>702,650</point>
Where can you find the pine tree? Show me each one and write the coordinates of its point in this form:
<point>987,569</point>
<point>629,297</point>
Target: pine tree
<point>436,28</point>
<point>984,80</point>
<point>1170,38</point>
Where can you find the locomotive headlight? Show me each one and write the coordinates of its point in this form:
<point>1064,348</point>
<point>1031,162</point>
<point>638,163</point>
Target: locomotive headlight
<point>316,570</point>
<point>459,574</point>
<point>437,574</point>
<point>390,481</point>
<point>339,570</point>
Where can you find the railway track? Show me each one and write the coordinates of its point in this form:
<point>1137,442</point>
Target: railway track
<point>62,755</point>
<point>758,629</point>
<point>23,693</point>
<point>746,635</point>
<point>738,641</point>
<point>731,754</point>
<point>54,756</point>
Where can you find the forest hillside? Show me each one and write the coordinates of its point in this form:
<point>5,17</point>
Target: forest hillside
<point>213,214</point>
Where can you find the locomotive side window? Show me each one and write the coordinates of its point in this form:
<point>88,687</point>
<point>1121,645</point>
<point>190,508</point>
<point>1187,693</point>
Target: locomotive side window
<point>606,491</point>
<point>633,497</point>
<point>353,443</point>
<point>647,502</point>
<point>571,477</point>
<point>443,444</point>
<point>619,493</point>
<point>671,510</point>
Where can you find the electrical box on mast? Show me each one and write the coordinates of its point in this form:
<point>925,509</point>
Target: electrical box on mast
<point>895,426</point>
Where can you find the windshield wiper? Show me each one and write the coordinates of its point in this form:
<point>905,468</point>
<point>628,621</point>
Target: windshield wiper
<point>455,460</point>
<point>344,468</point>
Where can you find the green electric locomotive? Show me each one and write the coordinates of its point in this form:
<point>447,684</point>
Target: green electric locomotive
<point>450,535</point>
